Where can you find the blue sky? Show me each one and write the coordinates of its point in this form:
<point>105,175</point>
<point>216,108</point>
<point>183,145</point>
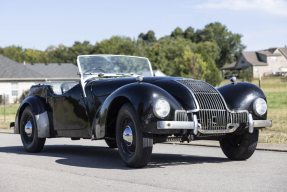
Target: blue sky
<point>38,24</point>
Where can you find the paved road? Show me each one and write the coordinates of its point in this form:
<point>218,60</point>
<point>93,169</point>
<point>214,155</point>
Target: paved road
<point>85,165</point>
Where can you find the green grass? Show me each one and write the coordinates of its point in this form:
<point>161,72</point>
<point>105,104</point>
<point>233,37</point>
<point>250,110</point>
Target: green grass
<point>10,111</point>
<point>6,124</point>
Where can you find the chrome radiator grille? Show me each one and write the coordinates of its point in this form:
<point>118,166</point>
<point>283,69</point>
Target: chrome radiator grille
<point>181,115</point>
<point>212,113</point>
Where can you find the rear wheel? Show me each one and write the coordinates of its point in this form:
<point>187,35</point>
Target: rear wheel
<point>240,147</point>
<point>29,133</point>
<point>135,147</point>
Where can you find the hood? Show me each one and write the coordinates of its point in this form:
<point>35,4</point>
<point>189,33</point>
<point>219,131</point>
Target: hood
<point>104,87</point>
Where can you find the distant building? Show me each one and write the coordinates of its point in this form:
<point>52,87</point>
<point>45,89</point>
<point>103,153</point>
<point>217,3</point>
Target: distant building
<point>16,78</point>
<point>267,62</point>
<point>158,73</point>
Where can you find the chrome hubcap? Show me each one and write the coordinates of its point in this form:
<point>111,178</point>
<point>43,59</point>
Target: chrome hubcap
<point>128,136</point>
<point>28,128</point>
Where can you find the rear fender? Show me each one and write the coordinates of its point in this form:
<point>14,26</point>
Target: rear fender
<point>40,111</point>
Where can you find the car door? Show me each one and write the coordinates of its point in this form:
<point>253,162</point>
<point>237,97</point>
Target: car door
<point>69,112</point>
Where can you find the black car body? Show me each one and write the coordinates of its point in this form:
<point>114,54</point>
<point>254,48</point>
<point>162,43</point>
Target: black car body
<point>133,112</point>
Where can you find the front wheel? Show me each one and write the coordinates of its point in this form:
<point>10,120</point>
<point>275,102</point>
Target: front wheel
<point>29,134</point>
<point>240,147</point>
<point>111,143</point>
<point>135,147</point>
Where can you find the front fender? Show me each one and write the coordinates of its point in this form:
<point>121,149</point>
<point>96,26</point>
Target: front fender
<point>142,96</point>
<point>240,96</point>
<point>40,111</point>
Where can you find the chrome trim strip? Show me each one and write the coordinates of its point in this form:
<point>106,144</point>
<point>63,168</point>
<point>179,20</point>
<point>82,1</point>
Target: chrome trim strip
<point>262,123</point>
<point>250,123</point>
<point>195,124</point>
<point>190,125</point>
<point>175,124</point>
<point>217,131</point>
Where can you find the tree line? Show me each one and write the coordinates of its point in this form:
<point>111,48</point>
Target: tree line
<point>194,54</point>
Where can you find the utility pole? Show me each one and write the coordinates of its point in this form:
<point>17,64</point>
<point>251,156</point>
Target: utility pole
<point>259,78</point>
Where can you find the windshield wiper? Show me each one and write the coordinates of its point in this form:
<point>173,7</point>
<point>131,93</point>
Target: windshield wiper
<point>99,74</point>
<point>111,75</point>
<point>125,74</point>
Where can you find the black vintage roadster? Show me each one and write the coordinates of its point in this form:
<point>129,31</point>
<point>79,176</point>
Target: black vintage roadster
<point>118,99</point>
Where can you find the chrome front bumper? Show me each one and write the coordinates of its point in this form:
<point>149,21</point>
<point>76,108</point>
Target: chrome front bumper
<point>196,126</point>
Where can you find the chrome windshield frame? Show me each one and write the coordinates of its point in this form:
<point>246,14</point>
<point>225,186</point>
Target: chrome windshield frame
<point>83,80</point>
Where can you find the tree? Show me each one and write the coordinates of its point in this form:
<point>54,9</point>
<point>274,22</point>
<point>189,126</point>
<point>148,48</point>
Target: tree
<point>247,74</point>
<point>189,34</point>
<point>149,37</point>
<point>116,45</point>
<point>58,54</point>
<point>35,56</point>
<point>166,52</point>
<point>79,48</point>
<point>193,66</point>
<point>229,44</point>
<point>211,49</point>
<point>13,52</point>
<point>212,74</point>
<point>177,33</point>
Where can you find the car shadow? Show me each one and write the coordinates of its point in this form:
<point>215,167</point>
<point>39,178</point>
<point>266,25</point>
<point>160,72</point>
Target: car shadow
<point>107,158</point>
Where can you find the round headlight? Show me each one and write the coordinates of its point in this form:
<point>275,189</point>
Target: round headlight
<point>161,108</point>
<point>259,106</point>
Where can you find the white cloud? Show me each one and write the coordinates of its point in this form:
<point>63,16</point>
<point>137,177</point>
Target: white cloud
<point>276,7</point>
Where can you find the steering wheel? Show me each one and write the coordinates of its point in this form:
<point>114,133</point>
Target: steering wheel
<point>93,69</point>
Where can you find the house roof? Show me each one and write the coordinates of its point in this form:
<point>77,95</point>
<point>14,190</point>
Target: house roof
<point>269,52</point>
<point>283,51</point>
<point>12,69</point>
<point>54,70</point>
<point>253,59</point>
<point>228,67</point>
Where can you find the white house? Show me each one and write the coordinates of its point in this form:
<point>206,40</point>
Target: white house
<point>265,62</point>
<point>158,73</point>
<point>16,78</point>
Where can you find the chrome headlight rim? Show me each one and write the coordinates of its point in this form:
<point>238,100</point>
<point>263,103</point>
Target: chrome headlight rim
<point>155,111</point>
<point>255,109</point>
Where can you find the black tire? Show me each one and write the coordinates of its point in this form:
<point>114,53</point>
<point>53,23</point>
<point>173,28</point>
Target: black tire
<point>112,143</point>
<point>137,153</point>
<point>240,147</point>
<point>30,141</point>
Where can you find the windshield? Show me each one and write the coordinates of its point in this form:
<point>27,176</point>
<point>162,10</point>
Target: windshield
<point>113,66</point>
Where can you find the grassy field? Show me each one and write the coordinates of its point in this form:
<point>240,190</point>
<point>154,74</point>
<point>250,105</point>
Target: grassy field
<point>276,93</point>
<point>11,111</point>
